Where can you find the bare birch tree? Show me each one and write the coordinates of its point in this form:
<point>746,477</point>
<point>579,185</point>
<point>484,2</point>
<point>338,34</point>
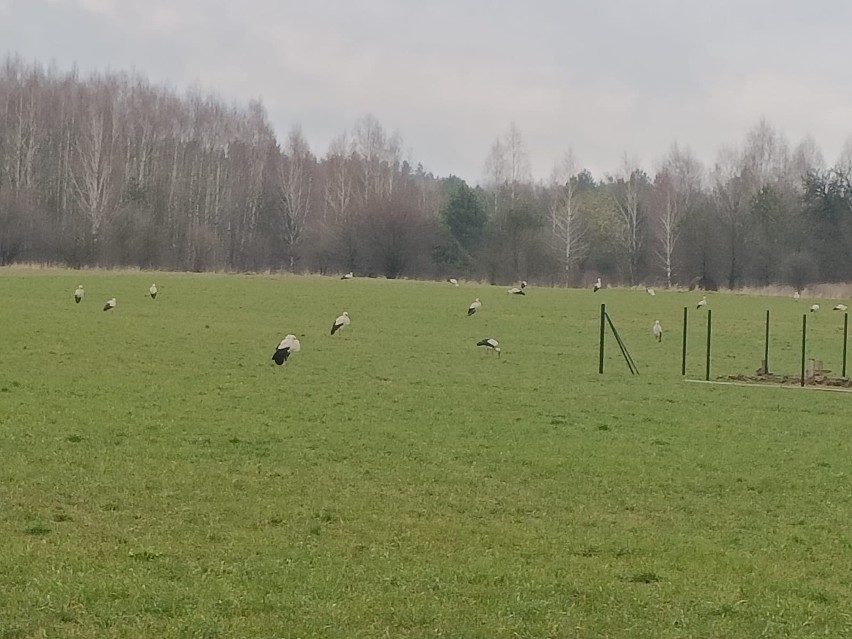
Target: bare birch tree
<point>507,166</point>
<point>496,174</point>
<point>765,154</point>
<point>631,210</point>
<point>93,177</point>
<point>295,185</point>
<point>566,229</point>
<point>733,188</point>
<point>337,190</point>
<point>677,183</point>
<point>507,169</point>
<point>844,161</point>
<point>341,204</point>
<point>379,156</point>
<point>517,161</point>
<point>806,158</point>
<point>23,142</point>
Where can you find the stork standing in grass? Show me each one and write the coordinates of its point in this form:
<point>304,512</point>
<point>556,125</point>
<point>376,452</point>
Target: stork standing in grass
<point>348,276</point>
<point>475,305</point>
<point>286,347</point>
<point>814,308</point>
<point>702,303</point>
<point>153,291</point>
<point>110,304</point>
<point>79,293</point>
<point>340,322</point>
<point>491,344</point>
<point>453,281</point>
<point>840,307</point>
<point>658,331</point>
<point>796,296</point>
<point>515,291</point>
<point>597,286</point>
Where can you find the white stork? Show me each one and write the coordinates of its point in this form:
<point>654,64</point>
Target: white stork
<point>153,291</point>
<point>515,291</point>
<point>650,291</point>
<point>523,283</point>
<point>286,347</point>
<point>814,308</point>
<point>475,305</point>
<point>702,303</point>
<point>796,296</point>
<point>658,331</point>
<point>491,344</point>
<point>597,286</point>
<point>840,307</point>
<point>340,322</point>
<point>453,281</point>
<point>348,276</point>
<point>79,293</point>
<point>110,304</point>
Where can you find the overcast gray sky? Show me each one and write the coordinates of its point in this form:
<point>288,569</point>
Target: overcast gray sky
<point>603,78</point>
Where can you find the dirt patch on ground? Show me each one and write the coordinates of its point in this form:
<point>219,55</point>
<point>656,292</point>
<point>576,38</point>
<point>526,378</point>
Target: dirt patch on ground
<point>818,379</point>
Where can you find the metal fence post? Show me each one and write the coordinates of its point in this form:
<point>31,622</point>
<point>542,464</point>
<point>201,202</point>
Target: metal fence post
<point>766,346</point>
<point>804,345</point>
<point>709,331</point>
<point>601,347</point>
<point>683,356</point>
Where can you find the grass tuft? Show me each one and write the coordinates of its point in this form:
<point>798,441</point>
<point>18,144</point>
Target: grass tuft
<point>37,530</point>
<point>145,555</point>
<point>644,577</point>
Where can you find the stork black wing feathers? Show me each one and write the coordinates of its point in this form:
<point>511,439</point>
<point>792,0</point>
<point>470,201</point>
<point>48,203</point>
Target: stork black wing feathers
<point>281,355</point>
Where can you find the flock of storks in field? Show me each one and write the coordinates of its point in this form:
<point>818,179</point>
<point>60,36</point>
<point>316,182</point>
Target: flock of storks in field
<point>110,303</point>
<point>290,344</point>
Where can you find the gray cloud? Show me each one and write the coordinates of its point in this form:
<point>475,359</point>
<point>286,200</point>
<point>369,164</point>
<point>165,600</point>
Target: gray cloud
<point>603,78</point>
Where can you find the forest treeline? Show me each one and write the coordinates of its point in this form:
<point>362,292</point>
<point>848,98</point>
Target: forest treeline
<point>111,170</point>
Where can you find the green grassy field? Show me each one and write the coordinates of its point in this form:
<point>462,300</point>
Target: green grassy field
<point>161,477</point>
